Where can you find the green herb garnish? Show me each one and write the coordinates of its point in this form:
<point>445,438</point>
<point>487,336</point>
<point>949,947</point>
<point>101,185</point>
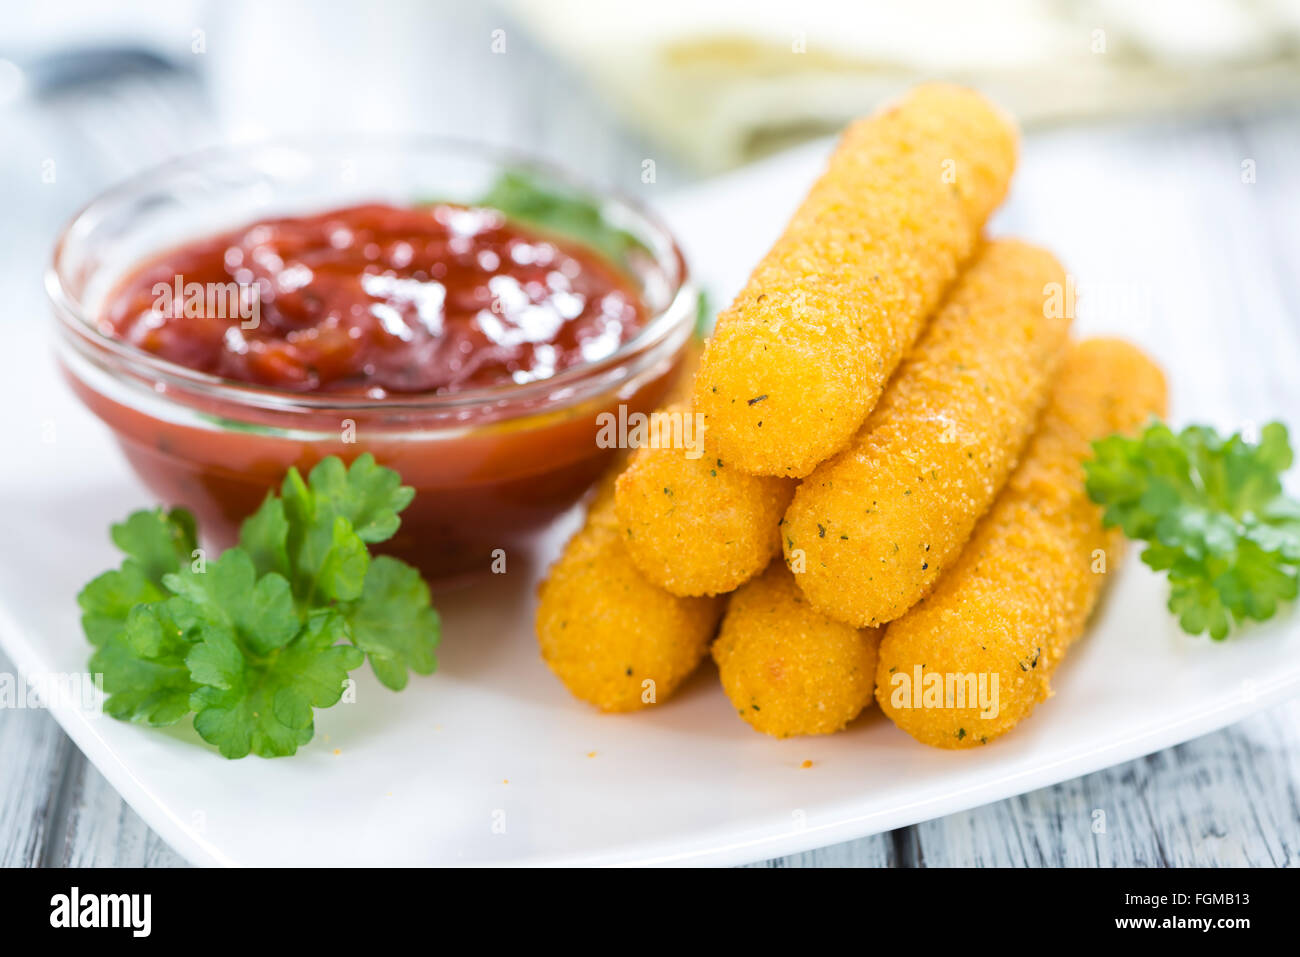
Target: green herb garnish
<point>252,642</point>
<point>705,317</point>
<point>1213,513</point>
<point>554,209</point>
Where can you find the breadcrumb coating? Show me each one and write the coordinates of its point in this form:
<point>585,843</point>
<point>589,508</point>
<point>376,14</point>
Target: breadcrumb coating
<point>614,639</point>
<point>1025,584</point>
<point>802,355</point>
<point>871,530</point>
<point>787,668</point>
<point>696,525</point>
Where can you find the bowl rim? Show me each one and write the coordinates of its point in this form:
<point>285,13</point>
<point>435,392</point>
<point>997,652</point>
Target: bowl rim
<point>73,317</point>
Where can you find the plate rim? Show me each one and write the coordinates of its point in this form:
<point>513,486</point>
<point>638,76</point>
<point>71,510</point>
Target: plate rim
<point>745,847</point>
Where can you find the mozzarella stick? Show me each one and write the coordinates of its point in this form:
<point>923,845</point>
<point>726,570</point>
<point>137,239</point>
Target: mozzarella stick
<point>614,639</point>
<point>787,668</point>
<point>696,525</point>
<point>871,530</point>
<point>969,662</point>
<point>802,355</point>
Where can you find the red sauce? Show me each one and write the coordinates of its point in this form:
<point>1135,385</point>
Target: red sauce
<point>378,300</point>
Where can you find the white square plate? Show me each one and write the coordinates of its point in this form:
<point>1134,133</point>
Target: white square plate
<point>491,761</point>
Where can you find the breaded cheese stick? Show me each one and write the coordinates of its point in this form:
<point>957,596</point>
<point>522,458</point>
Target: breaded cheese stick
<point>616,640</point>
<point>787,668</point>
<point>802,355</point>
<point>696,525</point>
<point>871,530</point>
<point>1005,613</point>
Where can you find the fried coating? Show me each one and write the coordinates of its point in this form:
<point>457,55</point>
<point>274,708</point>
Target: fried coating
<point>616,640</point>
<point>871,530</point>
<point>695,525</point>
<point>1023,588</point>
<point>802,355</point>
<point>787,668</point>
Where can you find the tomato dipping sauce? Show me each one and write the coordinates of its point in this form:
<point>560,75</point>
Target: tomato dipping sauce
<point>426,335</point>
<point>378,300</point>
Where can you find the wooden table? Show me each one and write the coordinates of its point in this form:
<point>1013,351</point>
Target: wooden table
<point>1230,798</point>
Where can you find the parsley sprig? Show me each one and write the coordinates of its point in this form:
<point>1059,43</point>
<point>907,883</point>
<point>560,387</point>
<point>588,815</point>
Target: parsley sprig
<point>1213,513</point>
<point>533,201</point>
<point>252,642</point>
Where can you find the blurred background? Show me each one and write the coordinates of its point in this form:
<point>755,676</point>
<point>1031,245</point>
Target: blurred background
<point>711,83</point>
<point>1161,108</point>
<point>90,92</point>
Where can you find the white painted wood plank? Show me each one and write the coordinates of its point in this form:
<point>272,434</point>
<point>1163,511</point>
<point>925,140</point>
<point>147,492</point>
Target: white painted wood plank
<point>1228,799</point>
<point>33,755</point>
<point>96,829</point>
<point>879,850</point>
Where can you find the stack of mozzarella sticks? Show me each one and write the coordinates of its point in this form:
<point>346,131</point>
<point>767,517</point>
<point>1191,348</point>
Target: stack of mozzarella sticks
<point>891,480</point>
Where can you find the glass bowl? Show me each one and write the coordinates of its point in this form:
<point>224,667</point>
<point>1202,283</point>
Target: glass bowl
<point>491,466</point>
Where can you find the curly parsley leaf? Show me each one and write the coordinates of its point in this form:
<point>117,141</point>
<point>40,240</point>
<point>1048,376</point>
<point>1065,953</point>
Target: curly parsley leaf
<point>369,496</point>
<point>227,596</point>
<point>1214,515</point>
<point>332,562</point>
<point>394,623</point>
<point>264,537</point>
<point>108,599</point>
<point>253,642</point>
<point>144,669</point>
<point>156,543</point>
<point>263,704</point>
<point>327,522</point>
